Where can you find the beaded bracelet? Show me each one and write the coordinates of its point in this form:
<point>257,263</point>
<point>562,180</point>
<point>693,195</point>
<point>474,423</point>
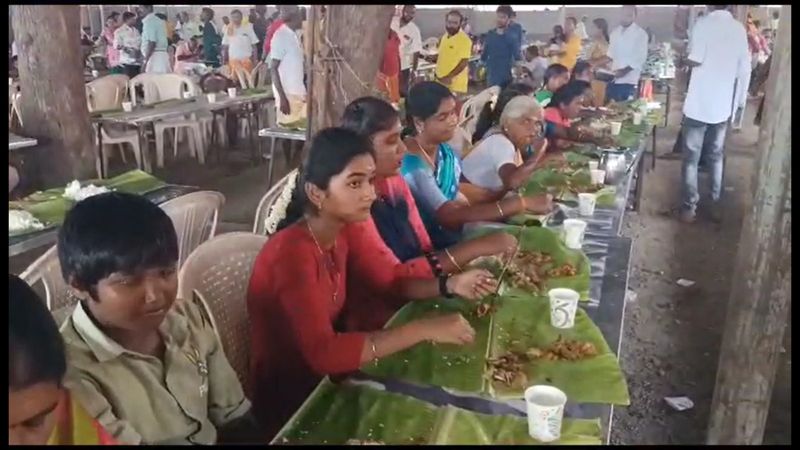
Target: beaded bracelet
<point>436,265</point>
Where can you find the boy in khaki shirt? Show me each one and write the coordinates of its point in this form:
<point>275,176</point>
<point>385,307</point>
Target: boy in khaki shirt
<point>149,368</point>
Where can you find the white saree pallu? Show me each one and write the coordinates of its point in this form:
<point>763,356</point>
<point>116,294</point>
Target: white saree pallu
<point>158,63</point>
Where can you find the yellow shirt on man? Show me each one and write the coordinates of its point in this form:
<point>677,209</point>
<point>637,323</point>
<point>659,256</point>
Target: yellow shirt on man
<point>452,49</point>
<point>571,48</point>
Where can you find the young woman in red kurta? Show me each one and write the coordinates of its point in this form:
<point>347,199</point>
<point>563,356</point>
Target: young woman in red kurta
<point>395,227</point>
<point>300,282</point>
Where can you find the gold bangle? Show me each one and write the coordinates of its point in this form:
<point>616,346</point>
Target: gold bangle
<point>374,349</point>
<point>453,260</point>
<point>502,214</point>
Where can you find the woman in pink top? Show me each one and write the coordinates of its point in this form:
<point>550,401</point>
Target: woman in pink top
<point>112,54</point>
<point>395,228</point>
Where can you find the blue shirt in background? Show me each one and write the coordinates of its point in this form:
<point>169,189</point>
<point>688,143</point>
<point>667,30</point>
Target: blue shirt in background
<point>516,29</point>
<point>499,53</point>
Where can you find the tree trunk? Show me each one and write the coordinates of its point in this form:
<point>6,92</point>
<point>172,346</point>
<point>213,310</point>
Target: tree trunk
<point>347,71</point>
<point>53,104</point>
<point>759,305</point>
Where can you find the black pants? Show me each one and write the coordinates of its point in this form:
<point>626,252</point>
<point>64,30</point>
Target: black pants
<point>405,76</point>
<point>131,71</point>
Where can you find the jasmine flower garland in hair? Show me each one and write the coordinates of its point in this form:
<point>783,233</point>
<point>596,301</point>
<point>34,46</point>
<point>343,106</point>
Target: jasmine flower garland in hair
<point>278,210</point>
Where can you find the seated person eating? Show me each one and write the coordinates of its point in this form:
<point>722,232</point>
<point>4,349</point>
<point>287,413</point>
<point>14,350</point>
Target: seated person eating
<point>148,367</point>
<point>496,165</point>
<point>303,276</point>
<point>433,170</point>
<point>555,76</point>
<point>395,227</point>
<point>564,107</point>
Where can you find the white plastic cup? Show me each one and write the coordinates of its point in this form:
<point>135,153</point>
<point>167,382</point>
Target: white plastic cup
<point>586,203</point>
<point>127,106</point>
<point>545,407</point>
<point>598,176</point>
<point>637,118</point>
<point>10,81</point>
<point>563,306</point>
<point>616,127</point>
<point>593,165</point>
<point>232,92</point>
<point>187,95</point>
<point>95,74</point>
<point>212,97</point>
<point>573,233</point>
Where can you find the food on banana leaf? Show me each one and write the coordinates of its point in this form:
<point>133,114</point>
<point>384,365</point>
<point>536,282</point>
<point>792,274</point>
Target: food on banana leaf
<point>530,269</point>
<point>508,370</point>
<point>359,442</point>
<point>541,250</point>
<point>564,350</point>
<point>50,206</point>
<point>484,308</point>
<point>557,357</point>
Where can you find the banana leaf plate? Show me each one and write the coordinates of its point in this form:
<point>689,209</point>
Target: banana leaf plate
<point>547,241</point>
<point>342,414</point>
<point>50,206</point>
<point>522,322</point>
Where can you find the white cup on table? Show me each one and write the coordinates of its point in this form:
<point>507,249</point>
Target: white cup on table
<point>545,407</point>
<point>573,233</point>
<point>598,176</point>
<point>127,106</point>
<point>232,92</point>
<point>586,203</point>
<point>187,95</point>
<point>637,118</point>
<point>95,74</point>
<point>563,306</point>
<point>616,127</point>
<point>212,97</point>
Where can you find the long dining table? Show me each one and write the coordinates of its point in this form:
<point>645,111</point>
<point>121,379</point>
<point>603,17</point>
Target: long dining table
<point>609,254</point>
<point>143,116</point>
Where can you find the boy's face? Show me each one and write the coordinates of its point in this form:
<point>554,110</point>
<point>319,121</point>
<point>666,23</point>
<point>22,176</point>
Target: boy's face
<point>31,413</point>
<point>134,302</point>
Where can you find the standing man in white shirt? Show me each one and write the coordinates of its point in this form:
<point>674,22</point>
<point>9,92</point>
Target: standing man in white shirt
<point>239,49</point>
<point>580,30</point>
<point>720,60</point>
<point>627,53</point>
<point>286,55</point>
<point>410,45</point>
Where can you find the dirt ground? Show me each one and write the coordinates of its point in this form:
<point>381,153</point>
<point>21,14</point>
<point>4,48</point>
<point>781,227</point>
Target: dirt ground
<point>671,333</point>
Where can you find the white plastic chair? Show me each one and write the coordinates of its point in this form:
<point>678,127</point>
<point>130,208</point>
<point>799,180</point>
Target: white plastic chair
<point>266,202</point>
<point>219,272</point>
<point>161,87</point>
<point>108,93</point>
<point>14,113</point>
<point>195,218</point>
<point>473,106</point>
<point>44,276</point>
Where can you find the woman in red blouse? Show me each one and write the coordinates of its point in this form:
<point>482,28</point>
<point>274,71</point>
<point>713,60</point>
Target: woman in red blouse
<point>395,228</point>
<point>565,106</point>
<point>300,282</point>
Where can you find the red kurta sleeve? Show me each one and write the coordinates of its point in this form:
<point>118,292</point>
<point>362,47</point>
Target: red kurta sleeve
<point>297,280</point>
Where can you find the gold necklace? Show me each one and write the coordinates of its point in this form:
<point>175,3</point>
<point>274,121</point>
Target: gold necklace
<point>328,262</point>
<point>425,154</point>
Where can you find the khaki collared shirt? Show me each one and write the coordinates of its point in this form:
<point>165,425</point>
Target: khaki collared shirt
<point>141,399</point>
